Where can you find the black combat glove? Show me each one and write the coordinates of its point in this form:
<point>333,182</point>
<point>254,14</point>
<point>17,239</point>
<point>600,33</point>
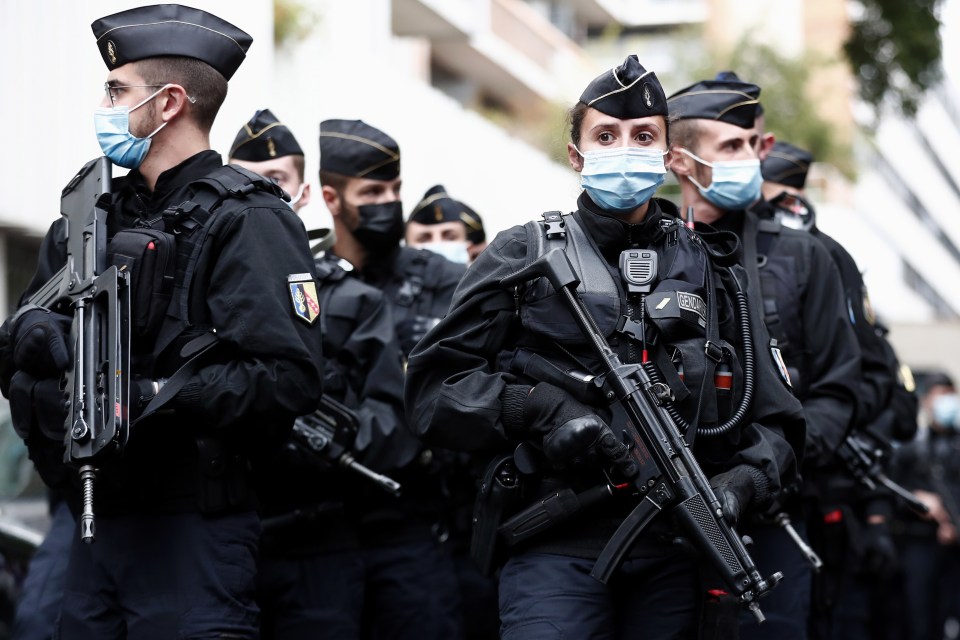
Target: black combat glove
<point>142,391</point>
<point>737,489</point>
<point>411,331</point>
<point>879,552</point>
<point>40,339</point>
<point>37,406</point>
<point>572,433</point>
<point>39,416</point>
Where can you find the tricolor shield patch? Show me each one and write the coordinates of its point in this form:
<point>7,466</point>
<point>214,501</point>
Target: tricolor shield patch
<point>303,295</point>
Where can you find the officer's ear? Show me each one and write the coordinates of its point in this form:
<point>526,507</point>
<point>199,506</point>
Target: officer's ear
<point>331,198</point>
<point>767,141</point>
<point>173,101</point>
<point>679,163</point>
<point>304,196</point>
<point>576,160</point>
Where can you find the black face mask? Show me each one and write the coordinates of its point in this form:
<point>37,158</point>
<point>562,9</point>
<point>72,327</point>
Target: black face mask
<point>380,227</point>
<point>785,206</point>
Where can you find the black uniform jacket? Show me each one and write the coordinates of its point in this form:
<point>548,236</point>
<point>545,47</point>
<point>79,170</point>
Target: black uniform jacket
<point>815,334</point>
<point>416,282</point>
<point>364,372</point>
<point>878,361</point>
<point>454,386</point>
<point>267,367</point>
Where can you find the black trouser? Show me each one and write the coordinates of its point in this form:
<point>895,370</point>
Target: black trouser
<point>547,597</point>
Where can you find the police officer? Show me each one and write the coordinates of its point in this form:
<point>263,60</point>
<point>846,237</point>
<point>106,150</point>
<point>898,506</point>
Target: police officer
<point>312,575</point>
<point>411,584</point>
<point>360,178</point>
<point>714,156</point>
<point>505,368</point>
<point>863,555</point>
<point>177,535</point>
<point>38,603</point>
<point>446,226</point>
<point>930,546</point>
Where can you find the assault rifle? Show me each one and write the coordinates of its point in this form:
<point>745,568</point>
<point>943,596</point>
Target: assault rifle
<point>98,295</point>
<point>865,463</point>
<point>679,485</point>
<point>329,433</point>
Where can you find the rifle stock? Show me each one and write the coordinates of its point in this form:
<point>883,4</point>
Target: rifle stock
<point>680,485</point>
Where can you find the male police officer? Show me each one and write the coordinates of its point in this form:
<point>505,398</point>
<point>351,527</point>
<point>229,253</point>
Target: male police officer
<point>858,548</point>
<point>312,576</point>
<point>177,533</point>
<point>446,226</point>
<point>412,591</point>
<point>360,177</point>
<point>930,546</point>
<point>714,148</point>
<point>510,366</point>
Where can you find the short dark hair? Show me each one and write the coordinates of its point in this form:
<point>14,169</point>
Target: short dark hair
<point>336,180</point>
<point>685,133</point>
<point>299,162</point>
<point>575,115</point>
<point>204,84</point>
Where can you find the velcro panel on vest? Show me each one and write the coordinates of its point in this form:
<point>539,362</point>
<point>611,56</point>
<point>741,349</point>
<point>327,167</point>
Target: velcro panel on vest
<point>678,309</point>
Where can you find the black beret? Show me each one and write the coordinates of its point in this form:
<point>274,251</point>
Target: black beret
<point>170,30</point>
<point>437,206</point>
<point>355,149</point>
<point>627,91</point>
<point>264,138</point>
<point>729,101</point>
<point>787,165</point>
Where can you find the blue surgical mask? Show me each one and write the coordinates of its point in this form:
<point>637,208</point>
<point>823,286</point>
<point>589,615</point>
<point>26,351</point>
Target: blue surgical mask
<point>622,179</point>
<point>113,133</point>
<point>452,250</point>
<point>946,411</point>
<point>735,185</point>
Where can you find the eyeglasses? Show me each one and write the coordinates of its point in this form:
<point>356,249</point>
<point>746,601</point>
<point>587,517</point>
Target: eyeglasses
<point>114,91</point>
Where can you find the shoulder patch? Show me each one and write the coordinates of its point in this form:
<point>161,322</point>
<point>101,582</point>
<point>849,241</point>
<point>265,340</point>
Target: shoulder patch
<point>303,296</point>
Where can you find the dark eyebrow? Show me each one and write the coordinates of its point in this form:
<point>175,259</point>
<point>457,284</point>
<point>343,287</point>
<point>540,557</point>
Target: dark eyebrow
<point>647,125</point>
<point>604,125</point>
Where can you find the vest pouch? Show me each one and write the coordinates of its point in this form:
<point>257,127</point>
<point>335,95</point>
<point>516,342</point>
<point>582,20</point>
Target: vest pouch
<point>678,309</point>
<point>728,381</point>
<point>149,256</point>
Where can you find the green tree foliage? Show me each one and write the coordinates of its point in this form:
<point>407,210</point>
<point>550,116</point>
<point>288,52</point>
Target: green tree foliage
<point>894,50</point>
<point>292,21</point>
<point>789,108</point>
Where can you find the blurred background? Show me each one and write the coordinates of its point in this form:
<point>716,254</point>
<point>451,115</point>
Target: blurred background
<point>476,93</point>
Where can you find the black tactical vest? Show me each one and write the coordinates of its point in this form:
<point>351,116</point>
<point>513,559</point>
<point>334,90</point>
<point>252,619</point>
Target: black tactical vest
<point>194,222</point>
<point>678,319</point>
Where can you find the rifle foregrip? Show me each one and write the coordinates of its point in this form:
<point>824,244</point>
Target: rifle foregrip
<point>705,532</point>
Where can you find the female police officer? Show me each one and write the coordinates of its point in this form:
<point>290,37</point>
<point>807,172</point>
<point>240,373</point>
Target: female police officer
<point>498,371</point>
